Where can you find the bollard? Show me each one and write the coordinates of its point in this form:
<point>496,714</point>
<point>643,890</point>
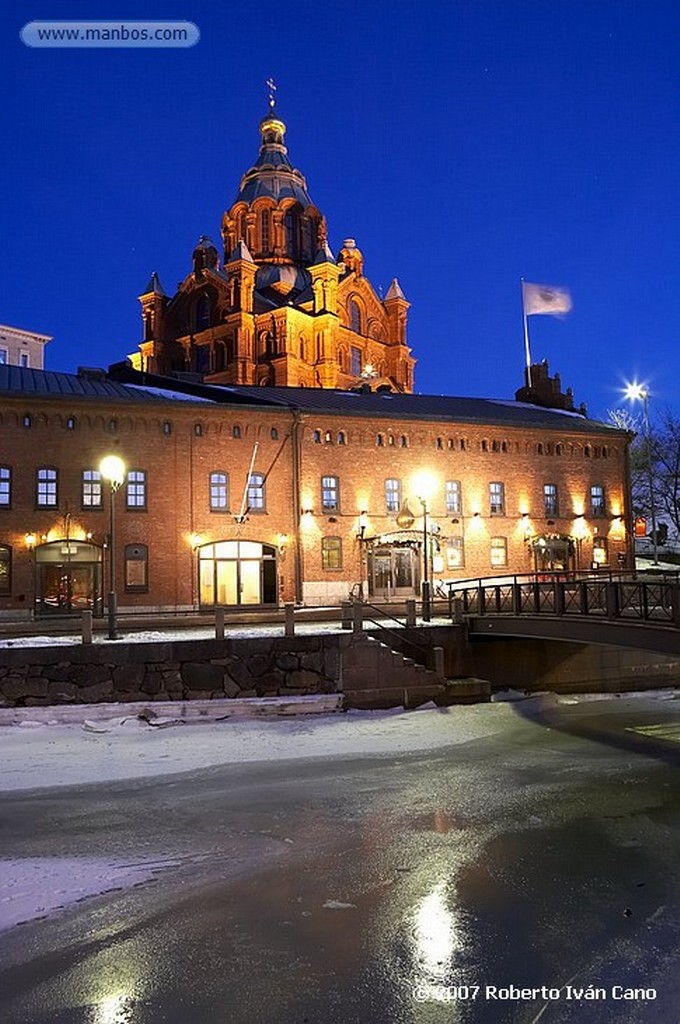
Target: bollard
<point>346,614</point>
<point>458,610</point>
<point>219,623</point>
<point>289,620</point>
<point>357,617</point>
<point>410,612</point>
<point>86,627</point>
<point>438,653</point>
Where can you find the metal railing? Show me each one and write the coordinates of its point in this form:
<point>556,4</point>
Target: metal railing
<point>610,595</point>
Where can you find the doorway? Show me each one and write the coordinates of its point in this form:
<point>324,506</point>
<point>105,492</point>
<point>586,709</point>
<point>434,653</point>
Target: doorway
<point>68,578</point>
<point>393,571</point>
<point>234,573</point>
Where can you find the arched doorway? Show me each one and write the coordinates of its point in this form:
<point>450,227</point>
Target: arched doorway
<point>234,573</point>
<point>68,578</point>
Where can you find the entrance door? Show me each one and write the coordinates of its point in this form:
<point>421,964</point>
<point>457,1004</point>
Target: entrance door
<point>68,578</point>
<point>233,573</point>
<point>392,572</point>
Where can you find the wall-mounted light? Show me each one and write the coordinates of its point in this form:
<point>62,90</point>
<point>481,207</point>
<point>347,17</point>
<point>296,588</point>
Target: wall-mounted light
<point>282,542</point>
<point>195,540</point>
<point>30,541</point>
<point>88,535</point>
<point>363,524</point>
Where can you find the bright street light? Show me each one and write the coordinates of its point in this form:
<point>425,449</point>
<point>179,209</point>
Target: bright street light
<point>640,393</point>
<point>112,468</point>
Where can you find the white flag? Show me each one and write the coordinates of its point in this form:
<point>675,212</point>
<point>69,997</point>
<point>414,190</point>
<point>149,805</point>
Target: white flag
<point>545,298</point>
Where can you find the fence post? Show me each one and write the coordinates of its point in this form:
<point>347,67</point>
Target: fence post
<point>675,603</point>
<point>559,597</point>
<point>410,612</point>
<point>357,617</point>
<point>86,627</point>
<point>457,610</point>
<point>438,653</point>
<point>219,623</point>
<point>346,614</point>
<point>289,620</point>
<point>612,600</point>
<point>517,598</point>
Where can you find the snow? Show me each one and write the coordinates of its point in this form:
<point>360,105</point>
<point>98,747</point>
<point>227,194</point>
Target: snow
<point>192,632</point>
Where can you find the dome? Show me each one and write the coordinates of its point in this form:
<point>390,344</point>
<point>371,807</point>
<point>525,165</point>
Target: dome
<point>273,175</point>
<point>283,279</point>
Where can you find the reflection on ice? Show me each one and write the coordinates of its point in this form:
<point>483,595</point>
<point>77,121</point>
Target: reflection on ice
<point>115,1009</point>
<point>437,939</point>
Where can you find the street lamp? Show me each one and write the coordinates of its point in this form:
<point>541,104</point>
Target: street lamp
<point>424,486</point>
<point>112,468</point>
<point>640,393</point>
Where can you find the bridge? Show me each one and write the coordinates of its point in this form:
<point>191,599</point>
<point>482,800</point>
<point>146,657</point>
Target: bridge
<point>621,609</point>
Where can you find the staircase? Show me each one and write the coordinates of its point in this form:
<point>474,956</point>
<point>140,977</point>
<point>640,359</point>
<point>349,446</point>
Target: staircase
<point>375,676</point>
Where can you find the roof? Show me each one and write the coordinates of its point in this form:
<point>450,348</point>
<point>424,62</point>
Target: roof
<point>124,384</point>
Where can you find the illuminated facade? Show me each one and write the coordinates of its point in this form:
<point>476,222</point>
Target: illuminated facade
<point>276,308</point>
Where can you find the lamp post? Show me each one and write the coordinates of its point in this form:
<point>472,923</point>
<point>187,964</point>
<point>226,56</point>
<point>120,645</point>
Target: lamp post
<point>112,468</point>
<point>639,392</point>
<point>424,488</point>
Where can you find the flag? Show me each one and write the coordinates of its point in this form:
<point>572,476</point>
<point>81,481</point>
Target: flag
<point>545,298</point>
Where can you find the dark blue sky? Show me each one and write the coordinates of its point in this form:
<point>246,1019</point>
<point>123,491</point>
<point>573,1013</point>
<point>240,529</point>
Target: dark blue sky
<point>462,143</point>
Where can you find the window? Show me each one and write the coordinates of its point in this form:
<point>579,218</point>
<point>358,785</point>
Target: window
<point>202,313</point>
<point>198,429</point>
<point>46,488</point>
<point>316,437</point>
<point>3,357</point>
<point>455,553</point>
<point>600,553</point>
<point>236,430</point>
<point>91,489</point>
<point>331,553</point>
<point>274,434</point>
<point>5,487</point>
<point>354,316</point>
<point>256,495</point>
<point>597,506</point>
<point>264,229</point>
<point>70,423</point>
<point>497,499</point>
<point>330,493</point>
<point>550,500</point>
<point>23,359</point>
<point>5,569</point>
<point>454,504</point>
<point>219,492</point>
<point>136,489</point>
<point>390,440</point>
<point>499,551</point>
<point>136,568</point>
<point>27,421</point>
<point>392,495</point>
<point>379,440</point>
<point>342,438</point>
<point>355,361</point>
<point>403,441</point>
<point>167,428</point>
<point>113,426</point>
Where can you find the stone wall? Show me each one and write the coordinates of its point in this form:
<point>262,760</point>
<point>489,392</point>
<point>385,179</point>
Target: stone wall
<point>178,670</point>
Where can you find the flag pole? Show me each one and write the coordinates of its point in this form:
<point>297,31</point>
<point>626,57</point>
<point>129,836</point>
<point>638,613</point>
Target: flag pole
<point>527,352</point>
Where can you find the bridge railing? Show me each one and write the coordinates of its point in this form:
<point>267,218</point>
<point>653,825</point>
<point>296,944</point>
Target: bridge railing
<point>610,595</point>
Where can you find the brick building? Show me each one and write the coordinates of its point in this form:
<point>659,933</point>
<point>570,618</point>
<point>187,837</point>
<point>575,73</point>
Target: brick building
<point>334,478</point>
<point>250,496</point>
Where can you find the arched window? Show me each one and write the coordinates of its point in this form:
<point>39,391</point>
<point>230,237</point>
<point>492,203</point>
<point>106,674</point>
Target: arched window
<point>202,314</point>
<point>264,230</point>
<point>342,438</point>
<point>242,226</point>
<point>354,316</point>
<point>290,223</point>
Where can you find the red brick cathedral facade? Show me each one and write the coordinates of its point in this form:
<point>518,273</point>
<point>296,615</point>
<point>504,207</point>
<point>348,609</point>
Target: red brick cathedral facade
<point>309,488</point>
<point>277,308</point>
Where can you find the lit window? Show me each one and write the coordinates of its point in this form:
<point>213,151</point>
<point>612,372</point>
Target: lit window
<point>136,489</point>
<point>455,553</point>
<point>5,569</point>
<point>393,495</point>
<point>264,229</point>
<point>256,496</point>
<point>5,486</point>
<point>331,553</point>
<point>91,493</point>
<point>219,492</point>
<point>600,553</point>
<point>330,493</point>
<point>453,498</point>
<point>46,489</point>
<point>597,504</point>
<point>136,568</point>
<point>499,551</point>
<point>497,499</point>
<point>550,500</point>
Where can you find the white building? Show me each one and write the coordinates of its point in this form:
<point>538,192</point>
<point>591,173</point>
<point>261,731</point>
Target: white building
<point>22,348</point>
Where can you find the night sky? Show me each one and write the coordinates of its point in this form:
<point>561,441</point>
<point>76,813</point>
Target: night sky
<point>464,144</point>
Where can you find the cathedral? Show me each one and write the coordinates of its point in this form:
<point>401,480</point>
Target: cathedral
<point>275,307</point>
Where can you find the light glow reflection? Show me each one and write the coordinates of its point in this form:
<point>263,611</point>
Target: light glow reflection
<point>436,939</point>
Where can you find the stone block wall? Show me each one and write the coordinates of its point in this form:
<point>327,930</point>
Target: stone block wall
<point>179,670</point>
